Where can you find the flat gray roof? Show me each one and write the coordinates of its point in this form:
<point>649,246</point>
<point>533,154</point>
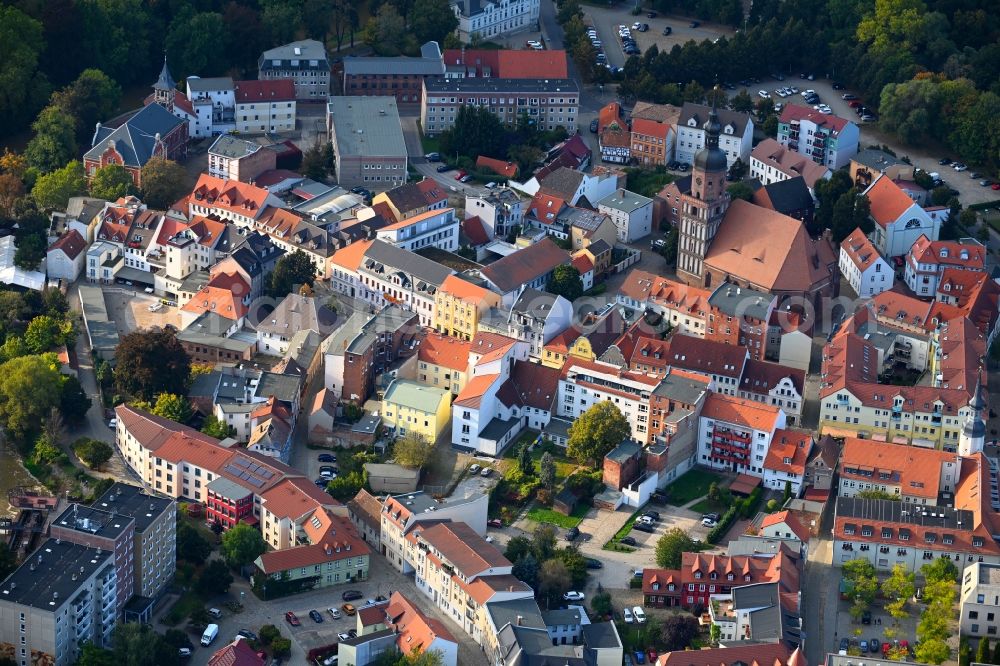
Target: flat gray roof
<point>199,84</point>
<point>624,201</point>
<point>51,576</point>
<point>229,146</point>
<point>504,86</point>
<point>367,126</point>
<point>134,502</point>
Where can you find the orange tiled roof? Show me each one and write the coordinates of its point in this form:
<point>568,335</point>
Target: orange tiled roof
<point>788,518</point>
<point>472,394</point>
<point>349,258</point>
<point>649,288</point>
<point>231,195</point>
<point>466,550</point>
<point>860,250</point>
<point>445,351</point>
<point>561,343</point>
<point>507,169</point>
<point>793,447</point>
<point>887,200</point>
<point>582,263</point>
<point>967,256</point>
<point>789,162</point>
<point>70,243</point>
<point>746,413</point>
<point>340,542</point>
<point>294,498</point>
<point>546,207</point>
<point>237,653</point>
<point>465,290</point>
<point>647,127</point>
<point>207,230</point>
<point>916,470</point>
<point>490,346</point>
<point>223,302</point>
<point>414,630</point>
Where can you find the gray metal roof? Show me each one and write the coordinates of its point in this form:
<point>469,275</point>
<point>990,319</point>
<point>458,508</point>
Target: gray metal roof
<point>681,389</point>
<point>228,145</point>
<point>741,301</point>
<point>564,616</point>
<point>198,84</point>
<point>282,387</point>
<point>599,635</point>
<point>136,137</point>
<point>507,612</point>
<point>700,113</point>
<point>134,502</point>
<point>430,63</point>
<point>874,158</point>
<point>297,313</point>
<point>367,126</point>
<point>392,258</point>
<point>625,201</point>
<point>302,51</point>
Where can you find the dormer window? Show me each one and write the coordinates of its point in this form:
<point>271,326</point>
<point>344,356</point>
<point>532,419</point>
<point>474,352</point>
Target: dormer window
<point>944,252</point>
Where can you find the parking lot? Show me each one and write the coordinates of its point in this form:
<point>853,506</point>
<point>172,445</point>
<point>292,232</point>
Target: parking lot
<point>130,309</point>
<point>607,20</point>
<point>881,621</point>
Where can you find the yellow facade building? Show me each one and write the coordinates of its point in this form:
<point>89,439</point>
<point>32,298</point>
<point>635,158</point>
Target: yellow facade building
<point>459,305</point>
<point>443,361</point>
<point>411,407</point>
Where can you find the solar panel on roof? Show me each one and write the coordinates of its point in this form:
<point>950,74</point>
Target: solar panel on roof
<point>235,471</point>
<point>242,462</point>
<point>257,483</point>
<point>266,473</point>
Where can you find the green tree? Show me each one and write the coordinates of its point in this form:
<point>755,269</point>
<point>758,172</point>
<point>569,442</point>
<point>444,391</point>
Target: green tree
<point>112,182</point>
<point>214,427</point>
<point>24,86</point>
<point>43,334</point>
<point>898,588</point>
<point>432,20</point>
<point>476,132</point>
<point>932,651</point>
<point>13,347</point>
<point>527,569</point>
<point>53,190</point>
<point>576,565</point>
<point>197,42</point>
<point>600,603</point>
<point>669,250</point>
<point>291,271</point>
<point>996,654</point>
<point>191,546</point>
<point>524,461</point>
<point>91,655</point>
<point>740,190</point>
<point>346,486</point>
<point>214,579</point>
<point>45,452</point>
<point>268,633</point>
<point>94,453</point>
<point>554,581</point>
<point>596,432</point>
<point>517,548</point>
<point>136,644</point>
<point>565,282</point>
<point>174,407</point>
<point>30,252</point>
<point>314,163</point>
<point>876,493</point>
<point>163,182</point>
<point>742,102</point>
<point>543,542</point>
<point>983,652</point>
<point>29,389</point>
<point>241,545</point>
<point>547,471</point>
<point>678,632</point>
<point>413,451</point>
<point>91,98</point>
<point>54,143</point>
<point>671,546</point>
<point>940,569</point>
<point>151,362</point>
<point>386,31</point>
<point>281,647</point>
<point>73,400</point>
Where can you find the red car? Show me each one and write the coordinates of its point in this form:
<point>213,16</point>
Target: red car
<point>460,174</point>
<point>292,619</point>
<point>651,655</point>
<point>854,104</point>
<point>494,522</point>
<point>995,186</point>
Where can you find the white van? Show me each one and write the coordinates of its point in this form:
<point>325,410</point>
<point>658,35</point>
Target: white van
<point>211,631</point>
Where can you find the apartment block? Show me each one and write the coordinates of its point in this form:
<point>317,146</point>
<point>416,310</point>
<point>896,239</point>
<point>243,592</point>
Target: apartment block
<point>434,228</point>
<point>231,158</point>
<point>826,139</point>
<point>865,269</point>
<point>304,62</point>
<point>402,514</point>
<point>735,434</point>
<point>550,103</point>
<point>459,305</point>
<point>735,138</point>
<point>64,594</point>
<point>980,600</point>
<point>486,21</point>
<point>368,142</point>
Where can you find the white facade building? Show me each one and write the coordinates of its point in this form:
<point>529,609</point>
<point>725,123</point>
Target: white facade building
<point>493,19</point>
<point>631,213</point>
<point>980,600</point>
<point>735,139</point>
<point>865,269</point>
<point>435,228</point>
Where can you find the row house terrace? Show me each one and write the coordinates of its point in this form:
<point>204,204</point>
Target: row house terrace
<point>230,200</point>
<point>735,434</point>
<point>704,575</point>
<point>392,275</point>
<point>585,383</point>
<point>401,514</point>
<point>684,307</point>
<point>915,475</point>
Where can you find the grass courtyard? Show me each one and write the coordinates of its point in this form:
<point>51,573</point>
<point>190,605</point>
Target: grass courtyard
<point>691,486</point>
<point>541,514</point>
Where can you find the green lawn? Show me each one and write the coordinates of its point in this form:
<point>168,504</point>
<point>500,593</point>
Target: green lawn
<point>431,144</point>
<point>540,514</point>
<point>708,506</point>
<point>690,486</point>
<point>564,466</point>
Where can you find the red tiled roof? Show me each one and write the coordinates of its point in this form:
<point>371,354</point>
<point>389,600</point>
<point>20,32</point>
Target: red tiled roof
<point>745,413</point>
<point>490,346</point>
<point>793,447</point>
<point>763,376</point>
<point>535,385</point>
<point>652,128</point>
<point>237,653</point>
<point>697,354</point>
<point>888,201</point>
<point>414,630</point>
<point>916,470</point>
<point>511,63</point>
<point>649,288</point>
<point>789,519</point>
<point>949,253</point>
<point>860,250</point>
<point>760,654</point>
<point>445,351</point>
<point>504,168</point>
<point>474,230</point>
<point>70,243</point>
<point>525,265</point>
<point>295,497</point>
<point>339,542</point>
<point>582,263</point>
<point>797,112</point>
<point>231,195</point>
<point>271,90</point>
<point>463,548</point>
<point>546,207</point>
<point>610,114</point>
<point>661,577</point>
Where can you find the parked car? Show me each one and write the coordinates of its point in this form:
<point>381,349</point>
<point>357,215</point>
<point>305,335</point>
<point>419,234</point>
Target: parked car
<point>344,636</point>
<point>183,653</point>
<point>866,617</point>
<point>292,619</point>
<point>349,610</point>
<point>695,24</point>
<point>433,157</point>
<point>709,523</point>
<point>844,645</point>
<point>667,30</point>
<point>711,516</point>
<point>573,596</point>
<point>441,168</point>
<point>863,646</point>
<point>763,94</point>
<point>848,96</point>
<point>460,174</point>
<point>474,469</point>
<point>628,541</point>
<point>315,615</point>
<point>643,527</point>
<point>465,179</point>
<point>321,482</point>
<point>640,615</point>
<point>874,645</point>
<point>627,614</point>
<point>327,457</point>
<point>593,126</point>
<point>572,533</point>
<point>944,161</point>
<point>334,613</point>
<point>655,515</point>
<point>651,15</point>
<point>247,634</point>
<point>651,655</point>
<point>351,595</point>
<point>327,471</point>
<point>486,471</point>
<point>494,522</point>
<point>534,44</point>
<point>594,563</point>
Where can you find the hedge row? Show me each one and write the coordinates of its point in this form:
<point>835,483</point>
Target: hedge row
<point>743,508</point>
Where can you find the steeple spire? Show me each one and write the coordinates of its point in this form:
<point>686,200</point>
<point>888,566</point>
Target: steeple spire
<point>165,81</point>
<point>972,439</point>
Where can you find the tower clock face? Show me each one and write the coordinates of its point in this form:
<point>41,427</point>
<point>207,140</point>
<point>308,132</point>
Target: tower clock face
<point>697,181</point>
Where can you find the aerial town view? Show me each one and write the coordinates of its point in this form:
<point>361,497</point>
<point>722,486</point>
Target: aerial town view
<point>499,332</point>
